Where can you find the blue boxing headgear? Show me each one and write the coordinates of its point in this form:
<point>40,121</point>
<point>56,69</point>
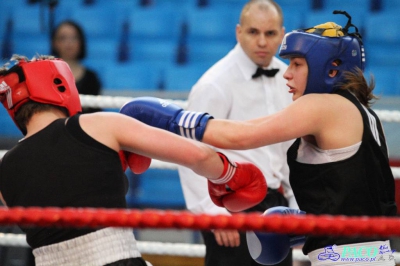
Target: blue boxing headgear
<point>322,46</point>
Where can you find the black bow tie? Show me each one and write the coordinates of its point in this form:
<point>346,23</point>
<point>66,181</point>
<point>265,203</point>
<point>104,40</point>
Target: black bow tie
<point>267,72</point>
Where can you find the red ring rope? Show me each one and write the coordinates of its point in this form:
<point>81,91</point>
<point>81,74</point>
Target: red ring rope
<point>295,224</point>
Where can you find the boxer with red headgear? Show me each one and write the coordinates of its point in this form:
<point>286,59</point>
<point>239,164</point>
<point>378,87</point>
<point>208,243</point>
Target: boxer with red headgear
<point>50,82</point>
<point>43,81</point>
<point>68,159</point>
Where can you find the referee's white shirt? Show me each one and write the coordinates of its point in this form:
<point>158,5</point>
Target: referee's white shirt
<point>227,91</point>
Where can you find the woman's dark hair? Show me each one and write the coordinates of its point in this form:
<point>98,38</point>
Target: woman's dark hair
<point>27,110</point>
<point>82,39</point>
<point>358,85</point>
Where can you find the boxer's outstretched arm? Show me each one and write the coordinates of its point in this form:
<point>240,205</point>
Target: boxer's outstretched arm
<point>299,119</point>
<point>233,185</point>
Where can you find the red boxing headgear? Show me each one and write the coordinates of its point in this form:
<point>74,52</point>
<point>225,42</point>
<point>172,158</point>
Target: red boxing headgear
<point>41,80</point>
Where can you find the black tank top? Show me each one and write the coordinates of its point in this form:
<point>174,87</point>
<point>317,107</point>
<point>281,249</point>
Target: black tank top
<point>62,166</point>
<point>362,185</point>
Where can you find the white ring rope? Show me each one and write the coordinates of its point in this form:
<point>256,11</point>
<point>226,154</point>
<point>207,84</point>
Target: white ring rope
<point>156,248</point>
<point>101,101</point>
<point>388,116</point>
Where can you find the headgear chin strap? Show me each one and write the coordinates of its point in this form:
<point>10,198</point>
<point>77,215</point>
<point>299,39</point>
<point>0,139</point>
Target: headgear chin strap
<point>48,81</point>
<point>321,46</point>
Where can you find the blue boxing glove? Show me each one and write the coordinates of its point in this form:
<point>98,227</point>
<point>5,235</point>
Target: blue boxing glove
<point>272,248</point>
<point>162,114</point>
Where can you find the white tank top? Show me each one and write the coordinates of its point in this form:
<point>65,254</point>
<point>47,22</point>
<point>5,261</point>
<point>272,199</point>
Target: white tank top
<point>311,154</point>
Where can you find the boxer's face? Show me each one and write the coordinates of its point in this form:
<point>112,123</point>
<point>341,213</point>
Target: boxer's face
<point>260,33</point>
<point>296,75</point>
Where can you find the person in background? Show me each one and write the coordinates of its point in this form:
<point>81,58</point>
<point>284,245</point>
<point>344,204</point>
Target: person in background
<point>68,42</point>
<point>247,83</point>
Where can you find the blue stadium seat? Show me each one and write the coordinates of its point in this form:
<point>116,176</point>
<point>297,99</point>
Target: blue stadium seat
<point>349,6</point>
<point>386,80</point>
<point>303,6</point>
<point>226,2</point>
<point>382,39</point>
<point>156,23</point>
<point>71,3</point>
<point>64,9</point>
<point>102,47</point>
<point>6,38</point>
<point>143,49</point>
<point>131,76</point>
<point>211,24</point>
<point>123,3</point>
<point>293,19</point>
<point>120,9</point>
<point>156,188</point>
<point>177,5</point>
<point>390,5</point>
<point>99,21</point>
<point>182,78</point>
<point>4,19</point>
<point>13,4</point>
<point>31,46</point>
<point>381,48</point>
<point>208,51</point>
<point>382,27</point>
<point>378,54</point>
<point>11,7</point>
<point>30,20</point>
<point>234,6</point>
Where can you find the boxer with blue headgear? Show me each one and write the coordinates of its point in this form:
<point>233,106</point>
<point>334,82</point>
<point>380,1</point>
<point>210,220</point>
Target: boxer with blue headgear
<point>339,162</point>
<point>326,47</point>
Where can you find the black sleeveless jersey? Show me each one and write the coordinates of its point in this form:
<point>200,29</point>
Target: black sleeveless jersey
<point>362,185</point>
<point>61,166</point>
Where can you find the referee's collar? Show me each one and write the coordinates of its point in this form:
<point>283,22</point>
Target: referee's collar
<point>246,66</point>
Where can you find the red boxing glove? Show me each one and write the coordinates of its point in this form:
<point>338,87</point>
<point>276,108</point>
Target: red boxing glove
<point>240,187</point>
<point>137,163</point>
